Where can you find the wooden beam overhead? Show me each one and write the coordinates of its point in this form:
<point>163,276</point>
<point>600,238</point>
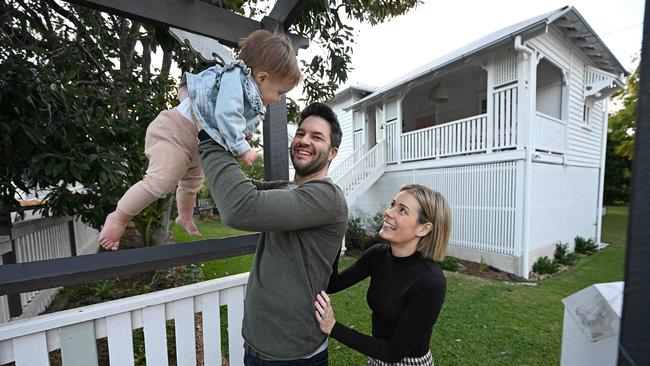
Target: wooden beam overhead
<point>193,16</point>
<point>288,11</point>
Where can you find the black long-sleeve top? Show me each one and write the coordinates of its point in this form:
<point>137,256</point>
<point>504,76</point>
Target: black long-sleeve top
<point>405,296</point>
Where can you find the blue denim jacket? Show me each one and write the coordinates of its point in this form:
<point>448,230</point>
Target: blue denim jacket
<point>227,104</point>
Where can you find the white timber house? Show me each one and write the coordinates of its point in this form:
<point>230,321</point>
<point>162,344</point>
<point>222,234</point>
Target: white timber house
<point>511,129</point>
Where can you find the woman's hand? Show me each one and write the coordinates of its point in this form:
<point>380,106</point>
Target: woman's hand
<point>324,312</point>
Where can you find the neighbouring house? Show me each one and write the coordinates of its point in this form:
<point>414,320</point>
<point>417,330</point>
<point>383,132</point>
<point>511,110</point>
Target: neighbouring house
<point>511,128</point>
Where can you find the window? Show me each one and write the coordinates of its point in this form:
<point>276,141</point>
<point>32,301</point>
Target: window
<point>586,111</point>
<point>550,89</point>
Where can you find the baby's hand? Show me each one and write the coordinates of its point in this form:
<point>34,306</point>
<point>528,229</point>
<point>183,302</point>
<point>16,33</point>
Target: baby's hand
<point>249,157</point>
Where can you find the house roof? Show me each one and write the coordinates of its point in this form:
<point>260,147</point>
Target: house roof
<point>364,89</point>
<point>566,18</point>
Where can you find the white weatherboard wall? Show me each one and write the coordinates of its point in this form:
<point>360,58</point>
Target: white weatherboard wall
<point>564,204</point>
<point>583,141</point>
<point>345,120</point>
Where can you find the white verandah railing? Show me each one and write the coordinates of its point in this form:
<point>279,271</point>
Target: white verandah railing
<point>74,332</point>
<point>464,136</point>
<point>502,133</point>
<point>548,133</point>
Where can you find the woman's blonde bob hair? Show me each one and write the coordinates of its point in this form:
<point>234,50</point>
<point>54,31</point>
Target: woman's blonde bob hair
<point>434,209</point>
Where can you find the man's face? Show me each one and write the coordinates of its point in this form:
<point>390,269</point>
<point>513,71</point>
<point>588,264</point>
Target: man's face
<point>310,149</point>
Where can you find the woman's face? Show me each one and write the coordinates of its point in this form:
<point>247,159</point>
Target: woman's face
<point>401,224</point>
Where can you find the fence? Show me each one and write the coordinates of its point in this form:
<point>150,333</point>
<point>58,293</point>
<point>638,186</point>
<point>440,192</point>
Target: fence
<point>41,239</point>
<point>483,200</point>
<point>75,331</point>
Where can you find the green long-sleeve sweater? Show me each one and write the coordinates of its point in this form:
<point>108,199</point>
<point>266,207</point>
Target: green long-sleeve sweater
<point>302,228</point>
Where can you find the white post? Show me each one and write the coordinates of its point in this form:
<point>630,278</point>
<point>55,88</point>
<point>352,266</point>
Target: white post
<point>601,181</point>
<point>526,81</point>
<point>398,129</point>
<point>489,95</point>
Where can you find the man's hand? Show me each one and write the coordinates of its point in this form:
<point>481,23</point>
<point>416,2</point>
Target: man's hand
<point>324,313</point>
<point>249,157</point>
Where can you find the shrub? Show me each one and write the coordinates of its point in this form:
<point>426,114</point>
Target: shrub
<point>546,265</point>
<point>563,256</point>
<point>585,246</point>
<point>450,264</point>
<point>363,232</point>
<point>355,233</point>
<point>483,266</point>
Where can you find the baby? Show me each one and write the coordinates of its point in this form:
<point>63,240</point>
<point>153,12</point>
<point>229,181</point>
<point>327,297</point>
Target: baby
<point>228,103</point>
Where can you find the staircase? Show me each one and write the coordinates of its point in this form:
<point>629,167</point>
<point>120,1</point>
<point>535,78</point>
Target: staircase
<point>362,173</point>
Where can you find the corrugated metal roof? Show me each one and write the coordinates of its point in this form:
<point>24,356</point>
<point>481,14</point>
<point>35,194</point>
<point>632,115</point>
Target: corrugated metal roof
<point>490,40</point>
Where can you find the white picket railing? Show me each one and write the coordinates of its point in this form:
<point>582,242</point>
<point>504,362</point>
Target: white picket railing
<point>347,163</point>
<point>464,136</point>
<point>74,332</point>
<point>503,132</point>
<point>548,133</point>
<point>364,172</point>
<point>46,238</point>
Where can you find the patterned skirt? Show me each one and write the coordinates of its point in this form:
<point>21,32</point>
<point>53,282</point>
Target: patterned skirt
<point>426,360</point>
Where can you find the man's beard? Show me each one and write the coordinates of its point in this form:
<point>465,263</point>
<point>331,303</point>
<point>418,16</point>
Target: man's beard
<point>315,165</point>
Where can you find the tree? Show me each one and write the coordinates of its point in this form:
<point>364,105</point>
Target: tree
<point>617,176</point>
<point>322,23</point>
<point>78,91</point>
<point>620,143</point>
<point>622,123</point>
<point>76,99</point>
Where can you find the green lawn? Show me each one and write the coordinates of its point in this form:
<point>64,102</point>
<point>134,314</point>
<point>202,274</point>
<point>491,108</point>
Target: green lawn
<point>213,228</point>
<point>485,322</point>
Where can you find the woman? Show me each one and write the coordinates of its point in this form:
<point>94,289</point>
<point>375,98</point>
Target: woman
<point>407,285</point>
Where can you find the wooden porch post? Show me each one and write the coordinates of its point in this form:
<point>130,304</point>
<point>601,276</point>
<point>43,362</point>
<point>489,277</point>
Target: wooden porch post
<point>276,152</point>
<point>13,299</point>
<point>73,240</point>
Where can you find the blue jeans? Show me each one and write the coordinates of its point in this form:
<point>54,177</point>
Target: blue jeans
<point>320,359</point>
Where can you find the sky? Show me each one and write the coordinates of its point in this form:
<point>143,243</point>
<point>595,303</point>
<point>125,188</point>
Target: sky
<point>386,51</point>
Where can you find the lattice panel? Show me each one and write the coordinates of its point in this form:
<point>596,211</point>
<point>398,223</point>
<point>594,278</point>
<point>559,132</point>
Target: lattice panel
<point>506,69</point>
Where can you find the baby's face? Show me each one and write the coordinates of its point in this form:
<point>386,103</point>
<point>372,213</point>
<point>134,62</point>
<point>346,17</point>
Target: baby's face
<point>272,89</point>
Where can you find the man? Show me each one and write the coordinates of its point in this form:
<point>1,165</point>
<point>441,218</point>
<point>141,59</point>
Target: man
<point>302,224</point>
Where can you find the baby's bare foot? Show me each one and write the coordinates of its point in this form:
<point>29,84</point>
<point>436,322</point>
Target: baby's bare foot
<point>189,226</point>
<point>109,237</point>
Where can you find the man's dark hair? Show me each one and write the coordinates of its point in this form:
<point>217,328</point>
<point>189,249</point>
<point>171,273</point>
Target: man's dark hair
<point>325,112</point>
